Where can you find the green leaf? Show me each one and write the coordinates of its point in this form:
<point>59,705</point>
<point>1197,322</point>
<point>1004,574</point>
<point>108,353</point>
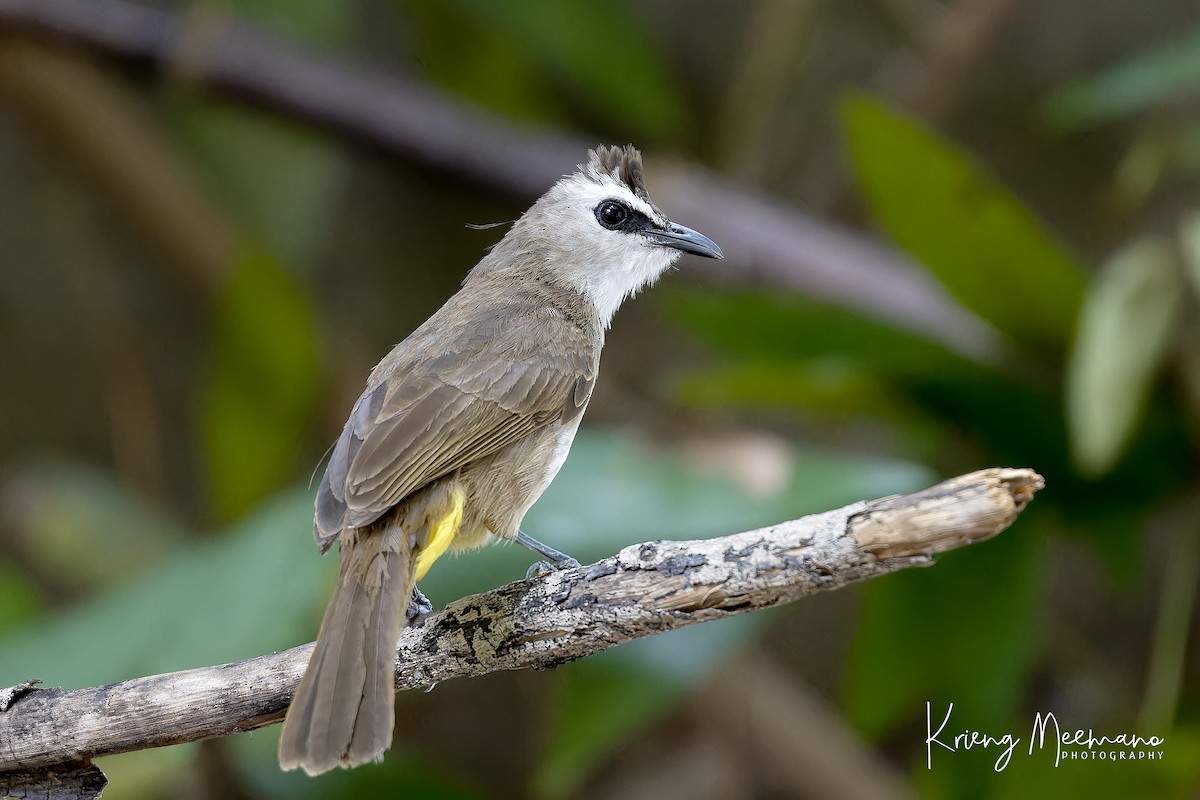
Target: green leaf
<point>832,386</point>
<point>1185,150</point>
<point>513,55</point>
<point>964,632</point>
<point>148,773</point>
<point>325,24</point>
<point>257,588</point>
<point>403,774</point>
<point>280,181</point>
<point>1189,239</point>
<point>262,385</point>
<point>778,326</point>
<point>1125,330</point>
<point>787,353</point>
<point>70,509</point>
<point>19,598</point>
<point>606,698</point>
<point>464,56</point>
<point>827,392</point>
<point>601,701</point>
<point>985,247</point>
<point>400,776</point>
<point>1166,73</point>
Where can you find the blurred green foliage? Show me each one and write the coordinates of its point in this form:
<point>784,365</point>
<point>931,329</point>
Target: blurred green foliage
<point>19,598</point>
<point>1127,326</point>
<point>918,188</point>
<point>1099,389</point>
<point>69,509</point>
<point>1139,83</point>
<point>262,384</point>
<point>527,57</point>
<point>969,632</point>
<point>280,181</point>
<point>255,588</point>
<point>970,232</point>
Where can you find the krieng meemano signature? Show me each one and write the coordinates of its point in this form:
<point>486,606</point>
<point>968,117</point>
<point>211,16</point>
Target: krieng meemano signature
<point>1070,745</point>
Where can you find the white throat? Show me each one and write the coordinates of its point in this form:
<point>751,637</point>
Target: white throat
<point>605,266</point>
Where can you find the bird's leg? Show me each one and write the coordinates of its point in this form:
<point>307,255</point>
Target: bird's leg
<point>418,606</point>
<point>551,559</point>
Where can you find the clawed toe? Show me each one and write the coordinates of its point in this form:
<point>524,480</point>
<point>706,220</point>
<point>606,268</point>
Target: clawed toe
<point>418,606</point>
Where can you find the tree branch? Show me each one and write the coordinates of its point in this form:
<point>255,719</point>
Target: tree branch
<point>537,623</point>
<point>768,242</point>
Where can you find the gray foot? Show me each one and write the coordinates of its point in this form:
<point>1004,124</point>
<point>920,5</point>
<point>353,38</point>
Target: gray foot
<point>418,606</point>
<point>551,559</point>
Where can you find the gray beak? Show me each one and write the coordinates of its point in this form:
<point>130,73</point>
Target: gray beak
<point>685,239</point>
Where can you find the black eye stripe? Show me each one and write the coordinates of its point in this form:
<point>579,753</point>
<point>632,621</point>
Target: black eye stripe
<point>617,216</point>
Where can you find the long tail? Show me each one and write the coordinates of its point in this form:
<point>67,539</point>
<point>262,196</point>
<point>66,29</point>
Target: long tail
<point>343,710</point>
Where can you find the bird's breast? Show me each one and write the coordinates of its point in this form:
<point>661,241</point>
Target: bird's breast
<point>501,488</point>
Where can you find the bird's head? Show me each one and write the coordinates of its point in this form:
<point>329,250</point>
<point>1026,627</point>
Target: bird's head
<point>598,232</point>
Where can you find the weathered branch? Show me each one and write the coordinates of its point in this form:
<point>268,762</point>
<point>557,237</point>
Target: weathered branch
<point>767,242</point>
<point>538,623</point>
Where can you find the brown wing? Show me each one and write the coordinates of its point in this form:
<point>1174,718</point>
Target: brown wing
<point>438,417</point>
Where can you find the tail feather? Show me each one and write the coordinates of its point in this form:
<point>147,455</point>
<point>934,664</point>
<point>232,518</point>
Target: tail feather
<point>372,732</point>
<point>343,710</point>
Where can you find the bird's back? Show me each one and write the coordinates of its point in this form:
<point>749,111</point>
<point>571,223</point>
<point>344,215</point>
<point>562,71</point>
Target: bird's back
<point>486,363</point>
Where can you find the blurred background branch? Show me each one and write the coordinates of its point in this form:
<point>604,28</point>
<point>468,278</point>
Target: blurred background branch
<point>776,245</point>
<point>122,149</point>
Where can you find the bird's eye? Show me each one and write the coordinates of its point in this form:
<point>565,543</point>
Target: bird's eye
<point>611,214</point>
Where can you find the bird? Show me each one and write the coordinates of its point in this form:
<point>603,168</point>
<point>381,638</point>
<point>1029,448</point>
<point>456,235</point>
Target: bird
<point>461,428</point>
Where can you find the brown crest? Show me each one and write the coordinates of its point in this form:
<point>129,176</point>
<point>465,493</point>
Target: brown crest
<point>623,163</point>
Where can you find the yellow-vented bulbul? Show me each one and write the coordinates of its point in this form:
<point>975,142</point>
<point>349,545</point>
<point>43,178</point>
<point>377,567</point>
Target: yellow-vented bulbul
<point>461,428</point>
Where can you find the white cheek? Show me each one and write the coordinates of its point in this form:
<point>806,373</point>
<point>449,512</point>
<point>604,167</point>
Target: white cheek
<point>605,266</point>
<point>616,272</point>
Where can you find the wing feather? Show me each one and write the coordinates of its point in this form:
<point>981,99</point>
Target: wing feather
<point>444,413</point>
